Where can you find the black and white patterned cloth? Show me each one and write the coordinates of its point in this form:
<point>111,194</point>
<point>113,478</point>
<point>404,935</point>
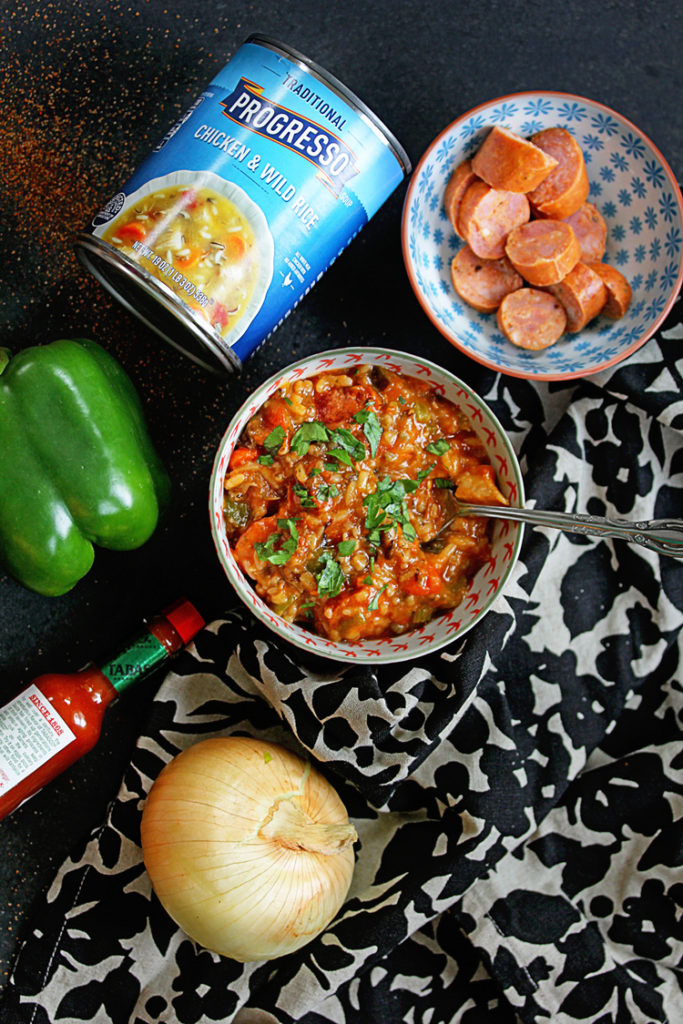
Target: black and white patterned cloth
<point>518,797</point>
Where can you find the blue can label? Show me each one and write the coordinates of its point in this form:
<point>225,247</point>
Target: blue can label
<point>253,193</point>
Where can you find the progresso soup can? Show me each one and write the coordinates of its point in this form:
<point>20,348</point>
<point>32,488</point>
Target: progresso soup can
<point>243,204</point>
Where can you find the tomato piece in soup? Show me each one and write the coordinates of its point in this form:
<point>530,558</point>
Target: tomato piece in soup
<point>276,413</point>
<point>242,456</point>
<point>257,533</point>
<point>190,199</point>
<point>424,581</point>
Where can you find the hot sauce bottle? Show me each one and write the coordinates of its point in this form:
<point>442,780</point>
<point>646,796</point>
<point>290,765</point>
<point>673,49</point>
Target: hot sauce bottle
<point>58,718</point>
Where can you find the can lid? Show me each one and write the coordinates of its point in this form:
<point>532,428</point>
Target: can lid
<point>184,618</point>
<point>362,109</point>
<point>153,302</point>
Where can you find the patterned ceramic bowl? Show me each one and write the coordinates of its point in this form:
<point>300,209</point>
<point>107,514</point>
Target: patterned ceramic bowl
<point>485,586</point>
<point>630,183</point>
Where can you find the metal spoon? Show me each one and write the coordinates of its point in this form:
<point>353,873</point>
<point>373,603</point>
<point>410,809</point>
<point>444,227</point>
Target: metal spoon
<point>665,536</point>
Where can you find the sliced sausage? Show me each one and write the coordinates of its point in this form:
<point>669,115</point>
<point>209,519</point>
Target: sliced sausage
<point>460,180</point>
<point>531,319</point>
<point>619,292</point>
<point>487,215</point>
<point>565,189</point>
<point>506,161</point>
<point>483,284</point>
<point>590,228</point>
<point>341,403</point>
<point>582,293</point>
<point>543,251</point>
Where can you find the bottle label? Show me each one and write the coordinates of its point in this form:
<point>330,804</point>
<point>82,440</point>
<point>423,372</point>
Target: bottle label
<point>31,732</point>
<point>139,658</point>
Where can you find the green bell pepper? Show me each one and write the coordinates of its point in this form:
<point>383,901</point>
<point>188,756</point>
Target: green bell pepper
<point>77,466</point>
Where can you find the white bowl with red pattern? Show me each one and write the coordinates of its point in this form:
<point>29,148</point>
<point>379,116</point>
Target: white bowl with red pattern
<point>484,588</point>
<point>631,185</point>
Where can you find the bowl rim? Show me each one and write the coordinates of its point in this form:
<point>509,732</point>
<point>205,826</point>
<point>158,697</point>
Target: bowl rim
<point>338,650</point>
<point>407,262</point>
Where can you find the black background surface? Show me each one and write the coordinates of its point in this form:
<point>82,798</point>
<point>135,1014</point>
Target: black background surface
<point>87,89</point>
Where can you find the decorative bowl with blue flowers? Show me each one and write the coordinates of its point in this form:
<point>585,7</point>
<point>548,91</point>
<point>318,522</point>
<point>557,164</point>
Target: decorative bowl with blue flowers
<point>631,185</point>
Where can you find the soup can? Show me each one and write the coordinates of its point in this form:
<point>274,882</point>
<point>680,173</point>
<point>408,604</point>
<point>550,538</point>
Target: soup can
<point>243,204</point>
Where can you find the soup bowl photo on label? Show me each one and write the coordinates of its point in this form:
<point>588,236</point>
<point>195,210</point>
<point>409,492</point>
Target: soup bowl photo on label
<point>607,208</point>
<point>332,505</point>
<point>205,240</point>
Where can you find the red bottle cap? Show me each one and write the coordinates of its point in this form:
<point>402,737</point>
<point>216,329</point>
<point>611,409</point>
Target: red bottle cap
<point>184,618</point>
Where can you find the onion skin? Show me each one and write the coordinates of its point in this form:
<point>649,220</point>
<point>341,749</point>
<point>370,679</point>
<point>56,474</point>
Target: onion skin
<point>248,848</point>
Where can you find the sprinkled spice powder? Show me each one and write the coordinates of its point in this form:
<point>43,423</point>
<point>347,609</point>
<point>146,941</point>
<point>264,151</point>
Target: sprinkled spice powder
<point>80,108</point>
<point>56,167</point>
<point>86,93</point>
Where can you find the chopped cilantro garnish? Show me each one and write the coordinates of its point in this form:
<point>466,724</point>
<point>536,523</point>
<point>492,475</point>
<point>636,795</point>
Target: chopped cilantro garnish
<point>374,600</point>
<point>279,547</point>
<point>306,434</point>
<point>343,456</point>
<point>273,443</point>
<point>344,439</point>
<point>327,491</point>
<point>346,547</point>
<point>330,578</point>
<point>438,447</point>
<point>371,569</point>
<point>289,401</point>
<point>315,471</point>
<point>443,483</point>
<point>372,428</point>
<point>331,467</point>
<point>305,499</point>
<point>375,517</point>
<point>386,507</point>
<point>266,460</point>
<point>408,530</point>
<point>424,473</point>
<point>347,447</point>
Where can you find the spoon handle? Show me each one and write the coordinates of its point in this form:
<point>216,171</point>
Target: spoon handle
<point>665,536</point>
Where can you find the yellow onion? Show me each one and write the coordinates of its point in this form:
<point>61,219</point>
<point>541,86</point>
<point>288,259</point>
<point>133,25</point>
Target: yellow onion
<point>248,848</point>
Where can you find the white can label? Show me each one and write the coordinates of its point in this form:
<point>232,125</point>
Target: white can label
<point>31,732</point>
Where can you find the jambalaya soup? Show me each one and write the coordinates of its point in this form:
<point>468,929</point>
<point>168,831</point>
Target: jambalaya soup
<point>337,504</point>
<point>204,237</point>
